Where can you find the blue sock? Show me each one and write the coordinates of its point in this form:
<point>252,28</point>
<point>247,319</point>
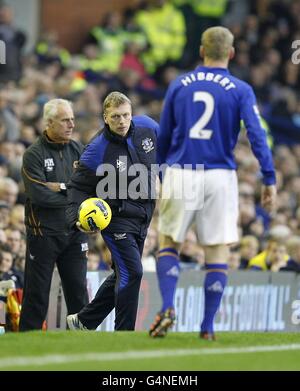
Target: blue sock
<point>214,285</point>
<point>167,268</point>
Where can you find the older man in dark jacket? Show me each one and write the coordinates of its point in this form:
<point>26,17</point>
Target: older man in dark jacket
<point>47,166</point>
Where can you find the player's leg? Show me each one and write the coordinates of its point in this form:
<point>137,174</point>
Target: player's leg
<point>167,269</point>
<point>216,258</point>
<point>217,228</point>
<point>177,210</point>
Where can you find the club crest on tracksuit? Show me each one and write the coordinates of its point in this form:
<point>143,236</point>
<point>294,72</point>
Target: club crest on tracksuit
<point>147,145</point>
<point>49,164</point>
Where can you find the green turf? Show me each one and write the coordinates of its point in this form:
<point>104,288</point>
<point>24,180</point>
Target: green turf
<point>39,344</point>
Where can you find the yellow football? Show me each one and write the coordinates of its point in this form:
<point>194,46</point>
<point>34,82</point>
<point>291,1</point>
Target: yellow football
<point>94,214</point>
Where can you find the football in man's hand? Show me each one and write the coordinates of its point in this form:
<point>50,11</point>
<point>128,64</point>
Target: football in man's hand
<point>94,214</point>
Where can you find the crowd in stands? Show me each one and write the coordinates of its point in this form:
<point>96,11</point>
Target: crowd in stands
<point>125,52</point>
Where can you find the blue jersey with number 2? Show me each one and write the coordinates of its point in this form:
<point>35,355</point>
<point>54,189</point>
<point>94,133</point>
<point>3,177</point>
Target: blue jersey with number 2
<point>200,122</point>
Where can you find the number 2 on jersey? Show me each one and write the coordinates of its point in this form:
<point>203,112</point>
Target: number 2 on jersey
<point>198,131</point>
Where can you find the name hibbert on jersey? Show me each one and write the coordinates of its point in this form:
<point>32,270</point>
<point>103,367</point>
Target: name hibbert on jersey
<point>224,82</point>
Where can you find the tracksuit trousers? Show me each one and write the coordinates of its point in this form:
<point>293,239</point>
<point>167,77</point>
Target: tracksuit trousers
<point>120,290</point>
<point>69,253</point>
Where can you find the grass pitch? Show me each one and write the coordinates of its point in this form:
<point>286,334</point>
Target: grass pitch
<point>136,351</point>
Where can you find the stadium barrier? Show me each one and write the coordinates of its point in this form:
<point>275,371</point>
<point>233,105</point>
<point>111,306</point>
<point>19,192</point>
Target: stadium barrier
<point>253,301</point>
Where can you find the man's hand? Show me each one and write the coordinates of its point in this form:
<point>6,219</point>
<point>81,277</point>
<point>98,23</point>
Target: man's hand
<point>276,266</point>
<point>54,186</point>
<point>80,228</point>
<point>268,198</point>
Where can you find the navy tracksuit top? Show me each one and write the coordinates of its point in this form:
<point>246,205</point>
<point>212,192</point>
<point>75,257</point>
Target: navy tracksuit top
<point>132,210</point>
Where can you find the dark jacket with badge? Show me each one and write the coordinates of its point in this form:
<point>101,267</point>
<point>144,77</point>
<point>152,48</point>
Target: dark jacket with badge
<point>120,170</point>
<point>46,161</point>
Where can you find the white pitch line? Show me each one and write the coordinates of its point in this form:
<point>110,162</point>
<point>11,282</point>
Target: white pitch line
<point>135,354</point>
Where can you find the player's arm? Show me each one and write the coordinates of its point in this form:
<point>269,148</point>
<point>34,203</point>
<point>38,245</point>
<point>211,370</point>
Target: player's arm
<point>39,191</point>
<point>260,148</point>
<point>257,137</point>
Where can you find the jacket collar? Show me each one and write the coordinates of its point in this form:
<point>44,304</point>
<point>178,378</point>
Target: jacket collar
<point>52,144</point>
<point>115,137</point>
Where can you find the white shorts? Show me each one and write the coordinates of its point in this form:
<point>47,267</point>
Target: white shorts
<point>207,198</point>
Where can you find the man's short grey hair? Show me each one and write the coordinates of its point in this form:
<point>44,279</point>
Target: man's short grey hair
<point>51,108</point>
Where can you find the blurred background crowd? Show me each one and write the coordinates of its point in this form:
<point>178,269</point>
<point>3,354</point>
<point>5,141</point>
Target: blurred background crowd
<point>139,50</point>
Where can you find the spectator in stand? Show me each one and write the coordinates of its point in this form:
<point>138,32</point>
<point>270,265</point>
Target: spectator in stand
<point>150,248</point>
<point>3,167</point>
<point>188,250</point>
<point>2,236</point>
<point>93,261</point>
<point>293,248</point>
<point>17,218</point>
<point>249,246</point>
<point>273,258</point>
<point>101,248</point>
<point>4,214</point>
<point>131,61</point>
<point>234,260</point>
<point>7,271</point>
<point>14,42</point>
<point>165,34</point>
<point>9,119</point>
<point>8,191</point>
<point>110,38</point>
<point>14,237</point>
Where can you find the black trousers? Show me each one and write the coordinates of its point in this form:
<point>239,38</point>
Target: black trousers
<point>120,290</point>
<point>69,253</point>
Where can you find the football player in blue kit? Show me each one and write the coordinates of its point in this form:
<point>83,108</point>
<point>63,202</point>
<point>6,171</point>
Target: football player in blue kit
<point>199,128</point>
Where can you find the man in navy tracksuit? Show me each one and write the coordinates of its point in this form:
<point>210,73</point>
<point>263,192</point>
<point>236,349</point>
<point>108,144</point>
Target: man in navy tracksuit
<point>118,166</point>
